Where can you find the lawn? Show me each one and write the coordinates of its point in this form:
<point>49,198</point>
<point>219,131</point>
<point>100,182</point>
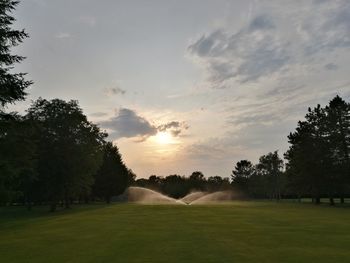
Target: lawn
<point>232,232</point>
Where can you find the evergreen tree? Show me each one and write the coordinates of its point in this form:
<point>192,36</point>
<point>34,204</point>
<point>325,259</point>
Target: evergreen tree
<point>12,85</point>
<point>338,113</point>
<point>241,175</point>
<point>16,151</point>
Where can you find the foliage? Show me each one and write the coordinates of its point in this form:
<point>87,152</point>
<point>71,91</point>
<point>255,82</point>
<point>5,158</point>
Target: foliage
<point>69,149</point>
<point>112,176</point>
<point>318,158</point>
<point>177,186</point>
<point>12,85</point>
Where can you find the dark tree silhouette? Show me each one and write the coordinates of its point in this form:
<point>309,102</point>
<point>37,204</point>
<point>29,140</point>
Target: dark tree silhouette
<point>270,167</point>
<point>338,112</point>
<point>197,181</point>
<point>16,151</point>
<point>17,159</point>
<point>112,177</point>
<point>318,158</point>
<point>12,85</point>
<point>69,149</point>
<point>241,175</point>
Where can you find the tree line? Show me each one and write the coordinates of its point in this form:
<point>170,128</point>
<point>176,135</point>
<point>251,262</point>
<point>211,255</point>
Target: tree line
<point>178,186</point>
<point>54,155</point>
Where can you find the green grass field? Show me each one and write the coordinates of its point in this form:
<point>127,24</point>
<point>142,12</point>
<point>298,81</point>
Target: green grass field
<point>234,232</point>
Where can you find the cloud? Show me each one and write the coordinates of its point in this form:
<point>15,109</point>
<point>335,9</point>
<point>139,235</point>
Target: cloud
<point>247,55</point>
<point>277,40</point>
<point>114,91</point>
<point>128,124</point>
<point>174,127</point>
<point>331,66</point>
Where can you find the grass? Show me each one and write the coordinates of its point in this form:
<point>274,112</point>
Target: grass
<point>232,232</point>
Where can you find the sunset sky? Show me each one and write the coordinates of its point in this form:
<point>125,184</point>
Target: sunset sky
<point>188,85</point>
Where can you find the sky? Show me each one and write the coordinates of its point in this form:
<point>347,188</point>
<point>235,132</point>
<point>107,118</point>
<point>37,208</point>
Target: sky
<point>183,86</point>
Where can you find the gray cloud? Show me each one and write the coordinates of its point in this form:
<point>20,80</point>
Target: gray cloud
<point>262,22</point>
<point>128,124</point>
<point>115,91</point>
<point>174,127</point>
<point>331,66</point>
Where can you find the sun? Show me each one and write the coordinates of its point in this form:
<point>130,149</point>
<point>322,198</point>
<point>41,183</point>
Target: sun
<point>164,138</point>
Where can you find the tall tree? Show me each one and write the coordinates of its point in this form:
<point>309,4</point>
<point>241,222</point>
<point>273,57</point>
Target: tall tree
<point>319,152</point>
<point>338,116</point>
<point>14,159</point>
<point>241,174</point>
<point>69,149</point>
<point>112,177</point>
<point>270,166</point>
<point>12,85</point>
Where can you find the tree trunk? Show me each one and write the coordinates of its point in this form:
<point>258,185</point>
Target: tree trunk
<point>342,201</point>
<point>331,201</point>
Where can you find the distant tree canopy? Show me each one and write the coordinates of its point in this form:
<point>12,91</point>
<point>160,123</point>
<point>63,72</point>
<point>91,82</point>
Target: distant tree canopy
<point>177,186</point>
<point>263,180</point>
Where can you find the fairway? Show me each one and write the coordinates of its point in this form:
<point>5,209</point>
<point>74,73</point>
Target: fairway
<point>232,232</point>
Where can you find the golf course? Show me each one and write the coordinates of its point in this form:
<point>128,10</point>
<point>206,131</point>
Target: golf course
<point>237,231</point>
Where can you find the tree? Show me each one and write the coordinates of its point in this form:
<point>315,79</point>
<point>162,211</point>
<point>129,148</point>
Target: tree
<point>197,181</point>
<point>240,176</point>
<point>338,116</point>
<point>112,177</point>
<point>12,85</point>
<point>270,167</point>
<point>217,183</point>
<point>17,159</point>
<point>175,186</point>
<point>16,150</point>
<point>69,150</point>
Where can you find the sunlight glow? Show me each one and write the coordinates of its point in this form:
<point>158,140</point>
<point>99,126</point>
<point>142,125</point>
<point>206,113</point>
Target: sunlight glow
<point>164,138</point>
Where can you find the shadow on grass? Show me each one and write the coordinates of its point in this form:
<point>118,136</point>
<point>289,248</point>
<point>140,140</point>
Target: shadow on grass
<point>15,214</point>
